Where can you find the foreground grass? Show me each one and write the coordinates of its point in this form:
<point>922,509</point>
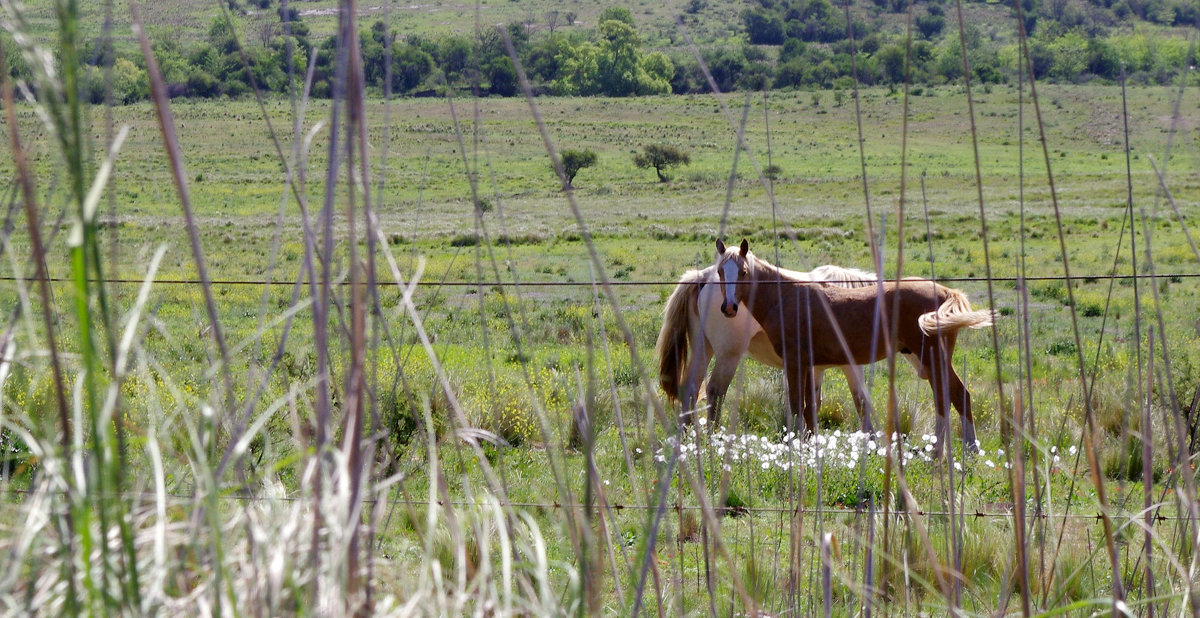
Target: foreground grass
<point>482,493</point>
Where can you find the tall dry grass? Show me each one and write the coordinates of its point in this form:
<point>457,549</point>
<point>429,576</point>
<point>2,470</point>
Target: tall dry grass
<point>98,523</point>
<point>156,507</point>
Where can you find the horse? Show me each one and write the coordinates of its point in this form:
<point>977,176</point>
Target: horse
<point>686,322</point>
<point>812,327</point>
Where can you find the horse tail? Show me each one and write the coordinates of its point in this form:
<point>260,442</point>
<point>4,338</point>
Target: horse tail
<point>954,313</point>
<point>672,346</point>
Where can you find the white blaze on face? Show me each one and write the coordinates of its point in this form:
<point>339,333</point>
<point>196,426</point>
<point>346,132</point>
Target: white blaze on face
<point>730,270</point>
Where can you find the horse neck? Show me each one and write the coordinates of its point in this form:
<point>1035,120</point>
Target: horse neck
<point>764,288</point>
<point>766,271</point>
<point>764,274</point>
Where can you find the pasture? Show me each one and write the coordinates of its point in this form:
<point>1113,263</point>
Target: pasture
<point>483,492</point>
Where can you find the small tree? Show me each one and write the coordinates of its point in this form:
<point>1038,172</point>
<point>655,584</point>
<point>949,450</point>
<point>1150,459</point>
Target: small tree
<point>575,160</point>
<point>661,157</point>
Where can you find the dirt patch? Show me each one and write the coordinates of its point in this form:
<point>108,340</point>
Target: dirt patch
<point>368,10</point>
<point>1105,127</point>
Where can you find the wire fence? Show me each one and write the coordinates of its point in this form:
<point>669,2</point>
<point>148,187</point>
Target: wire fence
<point>799,511</point>
<point>588,284</point>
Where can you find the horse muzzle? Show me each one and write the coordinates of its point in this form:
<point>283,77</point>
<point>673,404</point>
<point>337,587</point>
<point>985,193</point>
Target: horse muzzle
<point>728,309</point>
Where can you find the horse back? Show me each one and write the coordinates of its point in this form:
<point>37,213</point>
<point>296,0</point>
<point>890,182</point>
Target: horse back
<point>810,318</point>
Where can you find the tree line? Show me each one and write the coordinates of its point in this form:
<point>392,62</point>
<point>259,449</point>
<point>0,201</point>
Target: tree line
<point>788,44</point>
<point>1067,41</point>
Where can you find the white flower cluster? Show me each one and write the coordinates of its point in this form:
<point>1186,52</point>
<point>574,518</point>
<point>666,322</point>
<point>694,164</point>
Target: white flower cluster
<point>831,450</point>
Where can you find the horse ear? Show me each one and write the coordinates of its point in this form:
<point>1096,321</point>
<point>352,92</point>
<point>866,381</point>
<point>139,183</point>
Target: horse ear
<point>745,248</point>
<point>720,247</point>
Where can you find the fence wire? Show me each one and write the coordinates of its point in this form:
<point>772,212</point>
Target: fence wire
<point>588,284</point>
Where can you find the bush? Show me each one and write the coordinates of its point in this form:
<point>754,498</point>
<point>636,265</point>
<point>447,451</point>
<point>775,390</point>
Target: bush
<point>763,27</point>
<point>129,82</point>
<point>575,160</point>
<point>661,157</point>
<point>931,24</point>
<point>201,84</point>
<point>502,77</point>
<point>234,88</point>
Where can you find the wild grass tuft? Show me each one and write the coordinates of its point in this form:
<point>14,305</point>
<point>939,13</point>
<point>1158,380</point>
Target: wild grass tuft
<point>442,414</point>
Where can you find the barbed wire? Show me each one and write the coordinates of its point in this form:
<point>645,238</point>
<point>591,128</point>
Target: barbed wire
<point>588,284</point>
<point>676,507</point>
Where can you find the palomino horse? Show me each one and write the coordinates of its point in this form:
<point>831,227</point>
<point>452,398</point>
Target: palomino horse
<point>690,318</point>
<point>813,326</point>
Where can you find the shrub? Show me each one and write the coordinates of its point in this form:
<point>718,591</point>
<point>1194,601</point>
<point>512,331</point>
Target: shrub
<point>575,160</point>
<point>201,84</point>
<point>129,82</point>
<point>661,157</point>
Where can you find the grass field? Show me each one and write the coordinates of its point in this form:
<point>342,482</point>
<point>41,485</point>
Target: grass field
<point>479,493</point>
<point>188,22</point>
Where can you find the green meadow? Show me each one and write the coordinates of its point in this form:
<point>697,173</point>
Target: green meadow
<point>476,461</point>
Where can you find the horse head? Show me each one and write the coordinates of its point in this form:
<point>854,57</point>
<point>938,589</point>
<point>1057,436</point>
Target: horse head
<point>733,267</point>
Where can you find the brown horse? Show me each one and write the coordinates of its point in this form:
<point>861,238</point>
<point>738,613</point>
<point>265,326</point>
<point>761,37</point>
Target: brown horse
<point>693,334</point>
<point>813,326</point>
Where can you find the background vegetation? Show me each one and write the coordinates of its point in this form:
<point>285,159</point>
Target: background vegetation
<point>466,418</point>
<point>231,48</point>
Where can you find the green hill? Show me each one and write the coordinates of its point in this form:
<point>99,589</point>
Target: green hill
<point>646,49</point>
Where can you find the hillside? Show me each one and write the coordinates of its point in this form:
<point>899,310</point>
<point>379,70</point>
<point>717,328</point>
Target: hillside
<point>635,49</point>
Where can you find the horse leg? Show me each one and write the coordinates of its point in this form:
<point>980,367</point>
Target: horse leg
<point>690,389</point>
<point>961,399</point>
<point>941,405</point>
<point>718,384</point>
<point>959,396</point>
<point>818,378</point>
<point>802,398</point>
<point>952,393</point>
<point>858,390</point>
<point>795,389</point>
<point>949,390</point>
<point>811,402</point>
